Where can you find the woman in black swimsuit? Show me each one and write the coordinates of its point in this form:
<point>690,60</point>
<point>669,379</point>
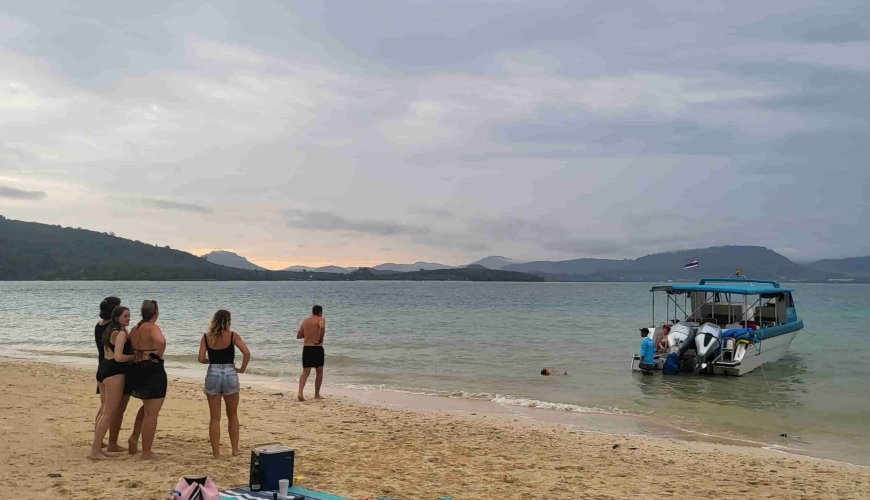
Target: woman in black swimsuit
<point>106,307</point>
<point>147,377</point>
<point>117,352</point>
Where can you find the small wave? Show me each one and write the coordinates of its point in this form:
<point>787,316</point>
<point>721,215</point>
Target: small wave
<point>753,442</point>
<point>392,388</point>
<point>500,399</point>
<point>550,405</point>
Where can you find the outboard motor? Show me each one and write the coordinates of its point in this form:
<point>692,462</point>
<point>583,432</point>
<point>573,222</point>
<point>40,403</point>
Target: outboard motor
<point>707,342</point>
<point>679,341</point>
<point>680,338</point>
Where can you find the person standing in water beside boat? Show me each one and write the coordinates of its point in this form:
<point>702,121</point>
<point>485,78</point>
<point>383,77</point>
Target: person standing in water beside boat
<point>647,352</point>
<point>312,330</point>
<point>217,349</point>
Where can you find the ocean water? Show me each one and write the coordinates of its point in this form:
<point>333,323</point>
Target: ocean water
<point>490,340</point>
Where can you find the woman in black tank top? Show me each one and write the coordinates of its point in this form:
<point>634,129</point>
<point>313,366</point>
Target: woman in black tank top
<point>114,339</point>
<point>217,349</point>
<point>106,307</point>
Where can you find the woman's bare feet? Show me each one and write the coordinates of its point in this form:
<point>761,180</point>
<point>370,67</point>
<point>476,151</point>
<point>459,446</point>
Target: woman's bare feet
<point>150,456</point>
<point>133,446</point>
<point>300,397</point>
<point>109,454</point>
<point>318,396</point>
<point>98,455</point>
<point>216,455</point>
<point>237,452</point>
<point>115,448</point>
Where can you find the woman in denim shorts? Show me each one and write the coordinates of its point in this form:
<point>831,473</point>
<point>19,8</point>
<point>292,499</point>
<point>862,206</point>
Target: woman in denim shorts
<point>218,349</point>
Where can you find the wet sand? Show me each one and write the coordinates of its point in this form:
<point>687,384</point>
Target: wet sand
<point>368,444</point>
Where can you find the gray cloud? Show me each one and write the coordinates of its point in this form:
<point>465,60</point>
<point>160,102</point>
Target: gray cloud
<point>175,205</point>
<point>835,22</point>
<point>439,213</point>
<point>20,194</point>
<point>326,221</point>
<point>540,129</point>
<point>332,222</point>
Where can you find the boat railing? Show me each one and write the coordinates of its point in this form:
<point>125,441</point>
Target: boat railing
<point>704,281</point>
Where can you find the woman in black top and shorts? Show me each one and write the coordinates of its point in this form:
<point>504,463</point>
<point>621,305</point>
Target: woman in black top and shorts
<point>117,352</point>
<point>218,349</point>
<point>147,379</point>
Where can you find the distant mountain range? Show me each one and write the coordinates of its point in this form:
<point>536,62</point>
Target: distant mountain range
<point>33,251</point>
<point>755,261</point>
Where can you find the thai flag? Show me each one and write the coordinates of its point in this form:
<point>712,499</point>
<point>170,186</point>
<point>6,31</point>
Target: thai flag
<point>692,264</point>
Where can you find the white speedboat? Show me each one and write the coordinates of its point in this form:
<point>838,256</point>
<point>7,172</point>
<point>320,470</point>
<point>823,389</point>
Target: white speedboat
<point>725,326</point>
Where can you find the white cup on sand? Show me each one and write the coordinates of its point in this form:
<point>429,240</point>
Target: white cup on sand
<point>283,485</point>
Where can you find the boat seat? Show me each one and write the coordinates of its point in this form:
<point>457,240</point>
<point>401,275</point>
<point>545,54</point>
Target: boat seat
<point>766,314</point>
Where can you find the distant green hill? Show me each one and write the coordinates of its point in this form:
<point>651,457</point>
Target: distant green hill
<point>417,266</point>
<point>574,266</point>
<point>854,267</point>
<point>231,259</point>
<point>494,262</point>
<point>756,262</point>
<point>33,251</point>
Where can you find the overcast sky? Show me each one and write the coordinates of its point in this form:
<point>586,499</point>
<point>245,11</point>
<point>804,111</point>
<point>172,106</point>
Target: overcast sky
<point>357,133</point>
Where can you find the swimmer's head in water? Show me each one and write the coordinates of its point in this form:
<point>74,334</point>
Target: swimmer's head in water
<point>546,372</point>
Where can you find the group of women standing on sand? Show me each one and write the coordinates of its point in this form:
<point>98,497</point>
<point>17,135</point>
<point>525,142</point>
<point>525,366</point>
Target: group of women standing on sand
<point>131,364</point>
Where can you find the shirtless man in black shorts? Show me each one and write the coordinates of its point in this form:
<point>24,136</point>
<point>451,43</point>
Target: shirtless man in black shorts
<point>312,331</point>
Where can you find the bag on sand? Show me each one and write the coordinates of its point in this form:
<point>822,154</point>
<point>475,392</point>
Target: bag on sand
<point>194,488</point>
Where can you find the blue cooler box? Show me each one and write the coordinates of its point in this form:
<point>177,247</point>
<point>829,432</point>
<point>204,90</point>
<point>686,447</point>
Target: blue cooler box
<point>270,462</point>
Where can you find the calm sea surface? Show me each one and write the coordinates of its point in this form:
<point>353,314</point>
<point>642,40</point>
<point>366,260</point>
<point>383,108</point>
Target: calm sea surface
<point>490,340</point>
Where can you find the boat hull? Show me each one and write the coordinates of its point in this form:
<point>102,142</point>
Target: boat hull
<point>767,351</point>
<point>773,346</point>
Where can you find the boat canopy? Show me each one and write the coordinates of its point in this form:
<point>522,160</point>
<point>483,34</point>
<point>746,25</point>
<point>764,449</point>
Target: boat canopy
<point>738,286</point>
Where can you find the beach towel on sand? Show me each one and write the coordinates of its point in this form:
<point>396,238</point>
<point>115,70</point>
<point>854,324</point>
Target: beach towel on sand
<point>195,488</point>
<point>246,494</point>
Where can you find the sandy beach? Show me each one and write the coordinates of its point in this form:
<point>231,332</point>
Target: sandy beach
<point>360,450</point>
